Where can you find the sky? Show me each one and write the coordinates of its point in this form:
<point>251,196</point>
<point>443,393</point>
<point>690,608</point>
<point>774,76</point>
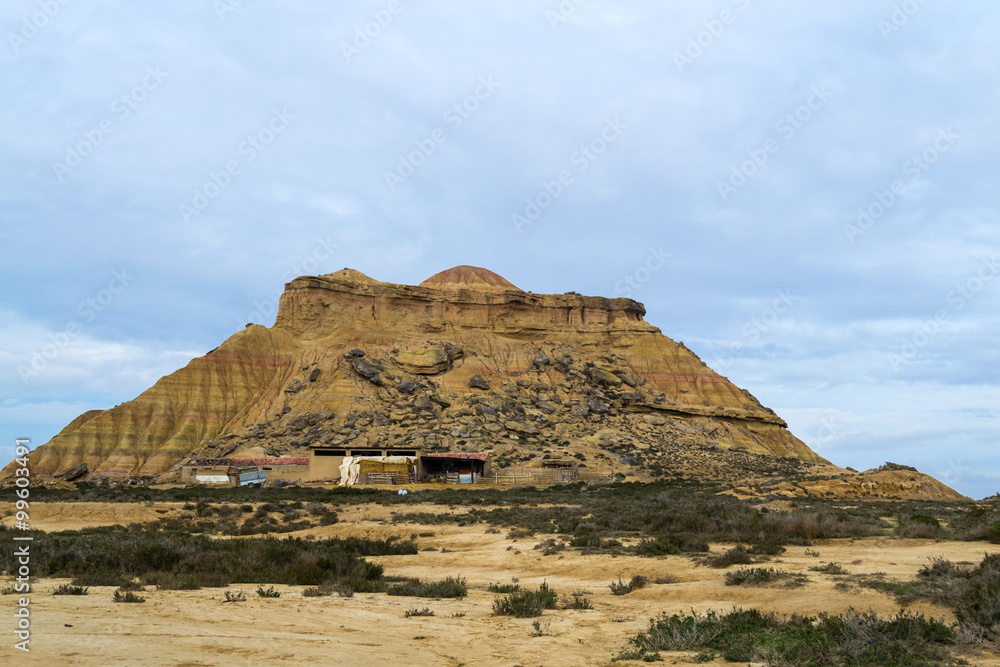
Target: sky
<point>805,194</point>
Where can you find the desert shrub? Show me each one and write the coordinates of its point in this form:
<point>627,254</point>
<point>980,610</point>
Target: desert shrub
<point>235,597</point>
<point>162,556</point>
<point>738,555</point>
<point>525,604</point>
<point>547,595</point>
<point>859,639</point>
<point>449,587</point>
<point>767,549</point>
<point>829,568</point>
<point>69,589</point>
<point>344,589</point>
<point>173,581</point>
<point>619,587</point>
<point>100,579</point>
<point>503,588</point>
<point>127,596</point>
<point>363,585</point>
<point>549,547</point>
<point>759,576</point>
<point>665,579</point>
<point>522,604</point>
<point>578,600</point>
<point>920,526</point>
<point>671,545</point>
<point>590,540</point>
<point>977,602</point>
<point>418,612</point>
<point>517,533</point>
<point>269,592</point>
<point>623,588</point>
<point>319,591</point>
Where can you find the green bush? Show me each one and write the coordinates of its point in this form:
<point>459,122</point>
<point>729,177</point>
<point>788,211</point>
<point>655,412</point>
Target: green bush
<point>68,589</point>
<point>503,588</point>
<point>759,576</point>
<point>172,559</point>
<point>522,604</point>
<point>235,597</point>
<point>858,639</point>
<point>409,613</point>
<point>127,596</point>
<point>579,601</point>
<point>526,604</point>
<point>450,587</point>
<point>172,581</point>
<point>738,555</point>
<point>619,587</point>
<point>269,592</point>
<point>100,579</point>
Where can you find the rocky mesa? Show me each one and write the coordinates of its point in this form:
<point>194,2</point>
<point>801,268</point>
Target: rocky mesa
<point>465,361</point>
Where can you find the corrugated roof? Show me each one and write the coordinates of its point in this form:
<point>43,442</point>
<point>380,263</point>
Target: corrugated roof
<point>259,461</point>
<point>478,456</point>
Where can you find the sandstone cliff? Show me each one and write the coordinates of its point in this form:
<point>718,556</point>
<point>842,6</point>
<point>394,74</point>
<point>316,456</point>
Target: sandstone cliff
<point>463,361</point>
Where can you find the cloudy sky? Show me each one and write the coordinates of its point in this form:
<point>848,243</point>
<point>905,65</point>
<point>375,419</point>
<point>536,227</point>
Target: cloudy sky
<point>804,193</point>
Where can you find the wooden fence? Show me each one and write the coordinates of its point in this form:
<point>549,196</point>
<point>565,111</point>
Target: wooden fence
<point>548,475</point>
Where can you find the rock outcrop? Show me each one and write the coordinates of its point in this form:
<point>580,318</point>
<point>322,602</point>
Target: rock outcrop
<point>463,361</point>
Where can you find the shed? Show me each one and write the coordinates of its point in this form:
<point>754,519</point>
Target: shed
<point>216,470</point>
<point>455,467</point>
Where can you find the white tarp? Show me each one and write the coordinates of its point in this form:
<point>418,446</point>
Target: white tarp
<point>351,467</point>
<point>212,479</point>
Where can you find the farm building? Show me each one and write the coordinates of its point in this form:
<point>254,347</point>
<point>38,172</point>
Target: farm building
<point>216,471</point>
<point>362,465</point>
<point>325,462</point>
<point>455,467</point>
<point>372,465</point>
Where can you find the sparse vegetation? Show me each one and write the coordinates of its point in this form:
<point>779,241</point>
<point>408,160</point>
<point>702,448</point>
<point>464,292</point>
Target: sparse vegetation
<point>449,587</point>
<point>525,604</point>
<point>172,560</point>
<point>539,630</point>
<point>579,601</point>
<point>829,568</point>
<point>319,591</point>
<point>624,588</point>
<point>503,588</point>
<point>69,589</point>
<point>738,555</point>
<point>860,639</point>
<point>760,576</point>
<point>269,592</point>
<point>127,596</point>
<point>235,597</point>
<point>418,612</point>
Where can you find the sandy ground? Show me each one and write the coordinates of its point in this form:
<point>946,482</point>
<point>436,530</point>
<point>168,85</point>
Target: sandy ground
<point>197,628</point>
